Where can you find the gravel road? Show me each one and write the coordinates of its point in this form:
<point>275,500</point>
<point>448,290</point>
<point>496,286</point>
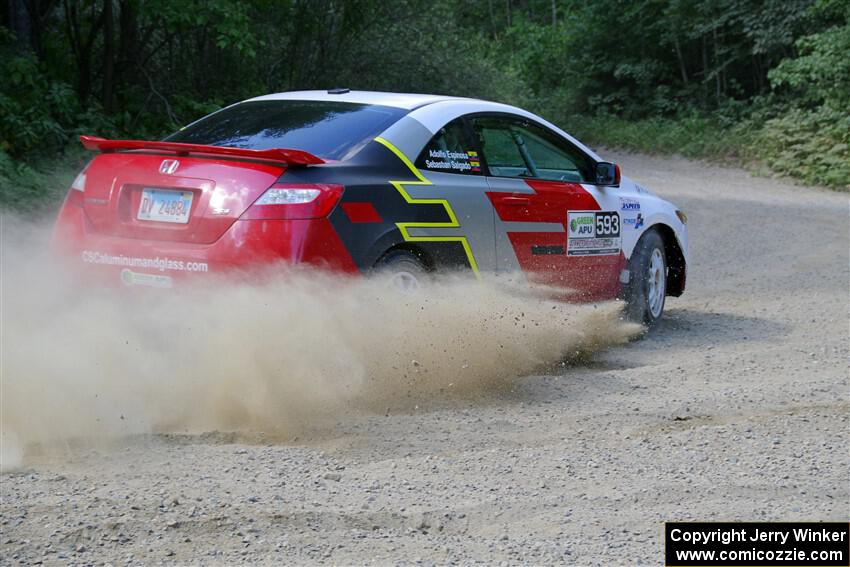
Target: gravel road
<point>735,408</point>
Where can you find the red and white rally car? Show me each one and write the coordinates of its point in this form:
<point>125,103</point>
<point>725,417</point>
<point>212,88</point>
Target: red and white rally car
<point>359,181</point>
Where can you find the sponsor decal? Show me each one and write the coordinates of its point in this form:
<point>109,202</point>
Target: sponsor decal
<point>582,224</point>
<point>156,263</point>
<point>129,277</point>
<point>636,222</point>
<point>593,233</point>
<point>629,204</point>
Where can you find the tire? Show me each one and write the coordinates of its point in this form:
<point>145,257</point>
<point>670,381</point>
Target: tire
<point>647,286</point>
<point>405,270</point>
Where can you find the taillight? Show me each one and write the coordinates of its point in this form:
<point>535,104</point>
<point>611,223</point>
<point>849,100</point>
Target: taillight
<point>79,183</point>
<point>78,187</point>
<point>288,201</point>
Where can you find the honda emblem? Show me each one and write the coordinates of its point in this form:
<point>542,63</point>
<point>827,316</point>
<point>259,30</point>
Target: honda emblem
<point>168,166</point>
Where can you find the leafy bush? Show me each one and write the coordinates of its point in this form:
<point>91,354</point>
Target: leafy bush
<point>41,187</point>
<point>822,72</point>
<point>34,111</point>
<point>810,145</point>
<point>693,136</point>
<point>811,140</point>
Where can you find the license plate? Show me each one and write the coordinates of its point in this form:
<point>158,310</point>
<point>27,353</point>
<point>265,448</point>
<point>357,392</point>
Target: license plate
<point>165,206</point>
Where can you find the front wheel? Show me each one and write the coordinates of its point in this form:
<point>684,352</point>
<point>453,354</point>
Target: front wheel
<point>647,288</point>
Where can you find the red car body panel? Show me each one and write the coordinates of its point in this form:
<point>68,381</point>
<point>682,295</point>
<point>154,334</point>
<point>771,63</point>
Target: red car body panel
<point>245,246</point>
<point>222,191</point>
<point>100,226</point>
<point>590,277</point>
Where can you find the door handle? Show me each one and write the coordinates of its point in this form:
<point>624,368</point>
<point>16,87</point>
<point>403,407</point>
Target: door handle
<point>516,201</point>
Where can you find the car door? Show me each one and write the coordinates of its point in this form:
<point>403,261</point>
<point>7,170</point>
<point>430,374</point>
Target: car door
<point>549,223</point>
<point>450,163</point>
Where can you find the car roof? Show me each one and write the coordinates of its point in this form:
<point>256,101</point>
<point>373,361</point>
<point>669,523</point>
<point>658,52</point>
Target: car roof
<point>407,101</point>
<point>429,109</point>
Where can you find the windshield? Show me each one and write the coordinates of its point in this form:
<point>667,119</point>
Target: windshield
<point>329,129</point>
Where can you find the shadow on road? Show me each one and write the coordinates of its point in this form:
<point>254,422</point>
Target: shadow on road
<point>690,326</point>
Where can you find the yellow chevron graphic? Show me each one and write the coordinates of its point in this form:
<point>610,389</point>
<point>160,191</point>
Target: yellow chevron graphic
<point>404,226</point>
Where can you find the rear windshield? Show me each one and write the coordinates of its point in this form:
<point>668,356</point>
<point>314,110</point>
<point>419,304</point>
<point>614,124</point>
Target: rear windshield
<point>329,129</point>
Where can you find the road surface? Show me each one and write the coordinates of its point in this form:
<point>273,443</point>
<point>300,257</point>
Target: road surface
<point>735,408</point>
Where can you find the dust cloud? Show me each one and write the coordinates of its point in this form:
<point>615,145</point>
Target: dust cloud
<point>275,352</point>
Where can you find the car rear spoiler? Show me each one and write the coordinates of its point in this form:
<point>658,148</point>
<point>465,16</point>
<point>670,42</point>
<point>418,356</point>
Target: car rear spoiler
<point>280,155</point>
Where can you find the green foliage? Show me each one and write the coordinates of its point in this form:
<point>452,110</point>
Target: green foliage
<point>38,187</point>
<point>811,139</point>
<point>21,187</point>
<point>39,115</point>
<point>810,145</point>
<point>761,80</point>
<point>419,48</point>
<point>692,136</point>
<point>228,23</point>
<point>821,74</point>
<point>33,109</point>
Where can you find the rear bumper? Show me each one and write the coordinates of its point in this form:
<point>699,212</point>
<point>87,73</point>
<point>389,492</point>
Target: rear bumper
<point>245,246</point>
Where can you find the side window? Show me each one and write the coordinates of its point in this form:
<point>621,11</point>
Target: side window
<point>513,148</point>
<point>553,158</point>
<point>450,151</point>
<point>500,149</point>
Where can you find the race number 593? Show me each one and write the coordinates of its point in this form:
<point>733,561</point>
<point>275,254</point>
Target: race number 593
<point>607,224</point>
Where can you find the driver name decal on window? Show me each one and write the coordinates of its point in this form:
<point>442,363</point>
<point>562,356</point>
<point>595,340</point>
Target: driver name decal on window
<point>450,160</point>
<point>448,151</point>
<point>593,233</point>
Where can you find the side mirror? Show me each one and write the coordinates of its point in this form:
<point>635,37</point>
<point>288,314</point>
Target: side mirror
<point>607,174</point>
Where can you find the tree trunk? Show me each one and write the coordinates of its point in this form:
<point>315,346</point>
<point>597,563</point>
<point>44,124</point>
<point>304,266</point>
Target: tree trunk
<point>717,70</point>
<point>40,11</point>
<point>108,57</point>
<point>128,44</point>
<point>758,82</point>
<point>682,68</point>
<point>704,72</point>
<point>19,22</point>
<point>81,46</point>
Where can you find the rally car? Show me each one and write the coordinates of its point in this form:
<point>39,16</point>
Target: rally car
<point>357,182</point>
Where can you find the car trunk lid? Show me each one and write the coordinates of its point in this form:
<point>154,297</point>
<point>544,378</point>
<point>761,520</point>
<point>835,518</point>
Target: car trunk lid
<point>177,192</point>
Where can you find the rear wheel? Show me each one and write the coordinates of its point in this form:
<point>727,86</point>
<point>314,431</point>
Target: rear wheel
<point>647,288</point>
<point>405,270</point>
